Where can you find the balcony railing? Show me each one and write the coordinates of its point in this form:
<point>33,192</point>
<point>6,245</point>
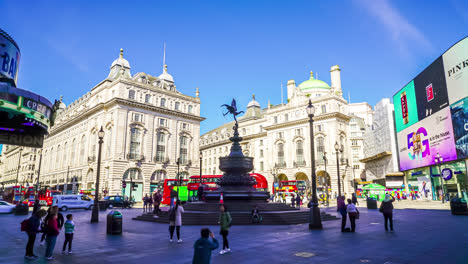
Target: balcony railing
<point>133,156</point>
<point>91,158</point>
<point>299,164</point>
<point>280,165</point>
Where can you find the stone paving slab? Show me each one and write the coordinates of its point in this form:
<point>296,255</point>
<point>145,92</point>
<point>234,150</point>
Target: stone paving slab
<point>422,236</point>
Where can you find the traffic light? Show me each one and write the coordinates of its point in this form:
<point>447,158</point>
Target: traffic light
<point>134,185</point>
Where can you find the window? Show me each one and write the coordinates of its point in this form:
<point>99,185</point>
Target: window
<point>183,150</point>
<point>82,151</point>
<point>261,153</point>
<point>260,128</point>
<point>64,160</point>
<point>162,122</point>
<point>160,147</point>
<point>298,132</point>
<point>132,174</point>
<point>109,142</point>
<point>261,142</point>
<point>57,157</point>
<point>190,109</point>
<point>185,126</point>
<point>93,145</point>
<point>300,153</point>
<point>148,98</point>
<point>72,155</point>
<point>163,102</point>
<point>279,135</point>
<point>324,108</point>
<point>319,128</point>
<point>137,117</point>
<point>354,128</point>
<point>177,106</point>
<point>135,142</point>
<point>320,147</point>
<point>281,162</point>
<point>354,142</point>
<point>356,167</point>
<point>261,165</point>
<point>285,117</point>
<point>131,94</point>
<point>275,120</point>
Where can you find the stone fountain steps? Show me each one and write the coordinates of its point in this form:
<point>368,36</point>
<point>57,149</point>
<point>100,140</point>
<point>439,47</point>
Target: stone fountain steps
<point>238,218</point>
<point>238,207</point>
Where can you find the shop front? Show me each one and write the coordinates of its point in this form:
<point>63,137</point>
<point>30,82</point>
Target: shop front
<point>450,180</point>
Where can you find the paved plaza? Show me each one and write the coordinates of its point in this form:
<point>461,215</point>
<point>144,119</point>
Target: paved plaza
<point>421,236</point>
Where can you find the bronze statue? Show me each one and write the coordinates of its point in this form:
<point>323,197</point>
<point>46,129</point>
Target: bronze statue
<point>232,109</point>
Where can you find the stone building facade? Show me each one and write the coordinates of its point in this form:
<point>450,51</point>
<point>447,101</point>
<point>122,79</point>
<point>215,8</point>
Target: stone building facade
<point>278,136</point>
<point>18,165</point>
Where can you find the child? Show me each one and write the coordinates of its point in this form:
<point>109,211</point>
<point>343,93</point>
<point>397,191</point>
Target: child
<point>203,247</point>
<point>69,229</point>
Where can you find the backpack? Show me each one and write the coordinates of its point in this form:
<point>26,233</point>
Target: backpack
<point>172,214</point>
<point>25,225</point>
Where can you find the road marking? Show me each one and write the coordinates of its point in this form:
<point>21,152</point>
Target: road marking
<point>305,254</point>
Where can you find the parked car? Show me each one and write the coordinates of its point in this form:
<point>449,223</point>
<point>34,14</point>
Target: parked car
<point>6,207</point>
<point>117,201</point>
<point>65,202</point>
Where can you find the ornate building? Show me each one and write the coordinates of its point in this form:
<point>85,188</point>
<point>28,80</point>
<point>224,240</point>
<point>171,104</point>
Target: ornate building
<point>148,125</point>
<point>278,136</point>
<point>18,165</point>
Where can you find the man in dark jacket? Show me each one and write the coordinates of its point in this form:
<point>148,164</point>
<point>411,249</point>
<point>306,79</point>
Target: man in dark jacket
<point>200,192</point>
<point>298,200</point>
<point>33,229</point>
<point>203,247</point>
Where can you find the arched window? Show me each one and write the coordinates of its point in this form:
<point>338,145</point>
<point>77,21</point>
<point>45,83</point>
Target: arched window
<point>160,147</point>
<point>183,153</point>
<point>163,102</point>
<point>51,156</point>
<point>190,109</point>
<point>158,175</point>
<point>133,174</point>
<point>73,150</point>
<point>177,106</point>
<point>281,162</point>
<point>184,175</point>
<point>324,109</point>
<point>135,143</point>
<point>82,150</point>
<point>109,142</point>
<point>65,149</point>
<point>300,153</point>
<point>320,148</point>
<point>131,94</point>
<point>148,98</point>
<point>93,139</point>
<point>57,157</point>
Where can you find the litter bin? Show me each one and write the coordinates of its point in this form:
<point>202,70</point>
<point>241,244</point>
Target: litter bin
<point>114,222</point>
<point>102,205</point>
<point>21,209</point>
<point>458,206</point>
<point>371,203</point>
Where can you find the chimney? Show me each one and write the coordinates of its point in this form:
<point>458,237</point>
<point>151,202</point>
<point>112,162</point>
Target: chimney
<point>335,77</point>
<point>291,88</point>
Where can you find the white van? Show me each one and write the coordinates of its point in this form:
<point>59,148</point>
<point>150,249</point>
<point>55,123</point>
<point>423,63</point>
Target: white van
<point>65,202</point>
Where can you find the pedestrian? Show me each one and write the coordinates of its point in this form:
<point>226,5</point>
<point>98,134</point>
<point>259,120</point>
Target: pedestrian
<point>37,206</point>
<point>398,196</point>
<point>298,200</point>
<point>69,230</point>
<point>34,222</point>
<point>150,203</point>
<point>51,238</point>
<point>225,222</point>
<point>175,220</point>
<point>352,212</point>
<point>284,198</point>
<point>173,196</point>
<point>200,193</point>
<point>354,199</point>
<point>203,247</point>
<point>60,219</point>
<point>335,195</point>
<point>255,215</point>
<point>44,226</point>
<point>293,201</point>
<point>341,208</point>
<point>386,208</point>
<point>145,203</point>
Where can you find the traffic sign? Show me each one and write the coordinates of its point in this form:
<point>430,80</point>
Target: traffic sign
<point>124,184</point>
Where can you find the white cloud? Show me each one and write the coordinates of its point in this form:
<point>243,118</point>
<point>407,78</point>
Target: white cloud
<point>402,32</point>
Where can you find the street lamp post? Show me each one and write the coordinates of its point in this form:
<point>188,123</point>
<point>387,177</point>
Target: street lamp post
<point>95,213</point>
<point>178,175</point>
<point>201,158</point>
<point>314,215</point>
<point>17,174</point>
<point>326,177</point>
<point>340,149</point>
<point>438,160</point>
<point>36,193</point>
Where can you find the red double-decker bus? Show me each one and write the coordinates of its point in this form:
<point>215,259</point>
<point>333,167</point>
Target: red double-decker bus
<point>167,185</point>
<point>210,183</point>
<point>290,187</point>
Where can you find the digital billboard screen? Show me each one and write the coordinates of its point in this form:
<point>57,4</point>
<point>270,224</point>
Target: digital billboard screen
<point>406,110</point>
<point>459,112</point>
<point>456,71</point>
<point>425,139</point>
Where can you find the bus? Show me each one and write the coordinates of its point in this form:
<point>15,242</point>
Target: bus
<point>210,183</point>
<point>291,187</point>
<point>166,186</point>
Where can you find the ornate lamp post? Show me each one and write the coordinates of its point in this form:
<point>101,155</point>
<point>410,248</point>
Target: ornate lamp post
<point>438,160</point>
<point>326,177</point>
<point>340,149</point>
<point>17,173</point>
<point>178,176</point>
<point>201,157</point>
<point>95,214</point>
<point>314,215</point>
<point>36,193</point>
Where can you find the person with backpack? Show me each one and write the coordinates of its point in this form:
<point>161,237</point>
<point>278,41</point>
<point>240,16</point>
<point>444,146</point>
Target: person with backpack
<point>175,220</point>
<point>145,203</point>
<point>203,247</point>
<point>386,208</point>
<point>31,227</point>
<point>225,222</point>
<point>298,200</point>
<point>51,238</point>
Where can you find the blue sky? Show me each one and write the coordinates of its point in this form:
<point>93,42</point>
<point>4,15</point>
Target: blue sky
<point>232,48</point>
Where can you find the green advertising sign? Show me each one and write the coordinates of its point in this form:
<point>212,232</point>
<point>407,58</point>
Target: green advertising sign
<point>406,111</point>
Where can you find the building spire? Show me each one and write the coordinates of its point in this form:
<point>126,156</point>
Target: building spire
<point>253,96</point>
<point>311,74</point>
<point>121,53</point>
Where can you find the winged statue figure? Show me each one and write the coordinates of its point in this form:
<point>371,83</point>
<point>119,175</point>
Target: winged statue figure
<point>232,109</point>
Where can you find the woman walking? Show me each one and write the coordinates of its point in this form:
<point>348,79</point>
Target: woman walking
<point>341,208</point>
<point>352,212</point>
<point>175,220</point>
<point>386,207</point>
<point>224,222</point>
<point>51,239</point>
<point>33,229</point>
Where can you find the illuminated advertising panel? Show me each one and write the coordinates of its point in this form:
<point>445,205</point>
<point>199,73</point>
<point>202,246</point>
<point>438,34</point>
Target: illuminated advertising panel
<point>431,89</point>
<point>420,143</point>
<point>406,111</point>
<point>9,58</point>
<point>456,71</point>
<point>459,112</point>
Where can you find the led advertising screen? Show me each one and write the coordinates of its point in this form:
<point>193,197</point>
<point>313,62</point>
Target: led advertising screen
<point>406,111</point>
<point>431,89</point>
<point>456,71</point>
<point>460,126</point>
<point>9,58</point>
<point>423,140</point>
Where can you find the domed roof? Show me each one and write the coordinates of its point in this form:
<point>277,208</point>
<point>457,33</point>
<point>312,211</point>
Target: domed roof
<point>313,84</point>
<point>253,103</point>
<point>121,61</point>
<point>166,76</point>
